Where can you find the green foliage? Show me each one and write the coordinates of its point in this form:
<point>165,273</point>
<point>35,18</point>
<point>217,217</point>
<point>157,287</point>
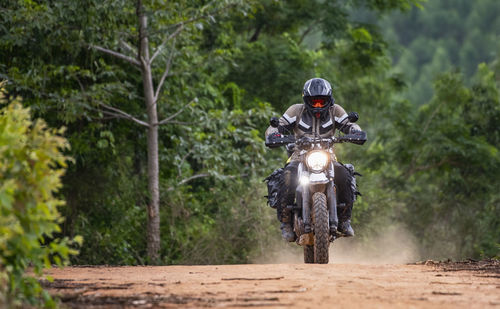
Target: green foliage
<point>430,163</point>
<point>449,153</point>
<point>31,165</point>
<point>111,218</point>
<point>433,155</point>
<point>439,154</point>
<point>444,34</point>
<point>217,224</point>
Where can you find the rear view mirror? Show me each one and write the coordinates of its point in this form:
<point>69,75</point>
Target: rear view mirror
<point>353,116</point>
<point>274,122</point>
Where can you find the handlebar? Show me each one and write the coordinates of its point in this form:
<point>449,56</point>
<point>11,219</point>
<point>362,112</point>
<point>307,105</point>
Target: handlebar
<point>306,142</point>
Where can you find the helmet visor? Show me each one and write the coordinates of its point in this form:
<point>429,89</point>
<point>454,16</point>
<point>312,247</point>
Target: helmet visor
<point>318,102</point>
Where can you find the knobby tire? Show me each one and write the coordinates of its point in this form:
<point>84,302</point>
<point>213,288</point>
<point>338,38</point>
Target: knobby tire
<point>308,254</point>
<point>321,228</point>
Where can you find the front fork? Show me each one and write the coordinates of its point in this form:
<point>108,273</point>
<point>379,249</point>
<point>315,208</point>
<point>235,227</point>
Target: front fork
<point>306,209</point>
<point>331,196</point>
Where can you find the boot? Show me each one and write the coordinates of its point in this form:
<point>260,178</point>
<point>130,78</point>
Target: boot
<point>345,221</point>
<point>346,228</point>
<point>287,231</point>
<point>286,226</point>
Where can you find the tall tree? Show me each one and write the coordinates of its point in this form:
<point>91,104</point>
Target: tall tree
<point>144,58</point>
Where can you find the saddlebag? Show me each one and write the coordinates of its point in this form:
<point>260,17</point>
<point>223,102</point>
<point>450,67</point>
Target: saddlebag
<point>275,186</point>
<point>354,186</point>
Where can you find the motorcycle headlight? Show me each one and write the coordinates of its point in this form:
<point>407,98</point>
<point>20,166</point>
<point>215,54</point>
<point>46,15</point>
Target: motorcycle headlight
<point>317,160</point>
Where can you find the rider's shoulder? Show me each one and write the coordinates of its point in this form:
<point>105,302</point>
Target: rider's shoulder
<point>295,109</point>
<point>337,109</point>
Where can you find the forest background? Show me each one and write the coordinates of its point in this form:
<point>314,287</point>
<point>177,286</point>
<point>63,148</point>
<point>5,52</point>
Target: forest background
<point>424,77</point>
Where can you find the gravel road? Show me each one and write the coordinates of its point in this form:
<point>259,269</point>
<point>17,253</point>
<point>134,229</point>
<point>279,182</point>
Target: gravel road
<point>425,285</point>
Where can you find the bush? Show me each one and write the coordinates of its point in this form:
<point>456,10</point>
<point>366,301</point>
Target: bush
<point>31,164</point>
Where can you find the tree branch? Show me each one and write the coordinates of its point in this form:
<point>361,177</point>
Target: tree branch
<point>193,19</point>
<point>179,166</point>
<point>129,48</point>
<point>192,178</point>
<point>143,61</point>
<point>180,183</point>
<point>165,74</point>
<point>256,34</point>
<point>181,122</point>
<point>181,24</point>
<point>306,32</point>
<point>116,115</point>
<point>121,114</point>
<point>169,118</point>
<point>116,54</point>
<point>160,48</point>
<point>185,180</point>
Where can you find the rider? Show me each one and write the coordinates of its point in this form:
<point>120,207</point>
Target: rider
<point>317,115</point>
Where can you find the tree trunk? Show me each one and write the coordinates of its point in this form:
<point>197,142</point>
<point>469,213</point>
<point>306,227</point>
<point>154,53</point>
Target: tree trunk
<point>153,229</point>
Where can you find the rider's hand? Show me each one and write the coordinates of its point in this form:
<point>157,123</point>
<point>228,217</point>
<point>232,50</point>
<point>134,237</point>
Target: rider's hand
<point>304,142</point>
<point>357,132</point>
<point>275,135</point>
<point>271,140</point>
<point>359,135</point>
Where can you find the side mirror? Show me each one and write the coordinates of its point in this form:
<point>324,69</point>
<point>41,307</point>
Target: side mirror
<point>274,122</point>
<point>353,116</point>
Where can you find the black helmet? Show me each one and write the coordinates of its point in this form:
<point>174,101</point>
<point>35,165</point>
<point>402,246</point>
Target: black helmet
<point>317,95</point>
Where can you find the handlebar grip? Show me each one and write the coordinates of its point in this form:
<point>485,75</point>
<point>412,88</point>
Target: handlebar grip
<point>279,141</point>
<point>358,139</point>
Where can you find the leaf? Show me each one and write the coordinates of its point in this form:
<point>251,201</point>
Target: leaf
<point>78,239</point>
<point>362,35</point>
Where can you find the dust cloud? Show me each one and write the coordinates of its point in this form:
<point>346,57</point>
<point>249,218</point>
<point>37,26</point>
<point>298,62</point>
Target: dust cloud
<point>280,252</point>
<point>394,245</point>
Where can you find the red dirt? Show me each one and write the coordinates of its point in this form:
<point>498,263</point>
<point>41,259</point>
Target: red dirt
<point>429,285</point>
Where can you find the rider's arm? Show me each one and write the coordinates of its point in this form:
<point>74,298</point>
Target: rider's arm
<point>287,121</point>
<point>342,121</point>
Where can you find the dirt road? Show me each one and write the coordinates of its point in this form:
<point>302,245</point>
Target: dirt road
<point>451,285</point>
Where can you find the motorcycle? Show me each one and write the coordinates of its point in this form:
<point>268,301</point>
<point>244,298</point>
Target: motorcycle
<point>315,216</point>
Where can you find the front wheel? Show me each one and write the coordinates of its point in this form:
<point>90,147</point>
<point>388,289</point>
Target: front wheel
<point>321,228</point>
